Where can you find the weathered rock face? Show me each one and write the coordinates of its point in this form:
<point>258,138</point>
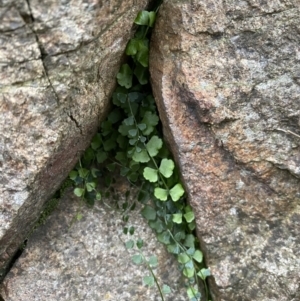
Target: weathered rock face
<point>226,78</point>
<point>87,260</point>
<point>58,65</point>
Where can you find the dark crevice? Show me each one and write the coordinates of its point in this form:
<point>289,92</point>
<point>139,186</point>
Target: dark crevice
<point>42,50</point>
<point>81,45</point>
<point>214,34</point>
<point>217,35</point>
<point>76,122</point>
<point>48,208</point>
<point>12,261</point>
<point>28,19</point>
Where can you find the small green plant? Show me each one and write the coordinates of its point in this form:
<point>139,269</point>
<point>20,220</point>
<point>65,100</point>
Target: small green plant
<point>151,264</point>
<point>130,141</point>
<point>51,205</point>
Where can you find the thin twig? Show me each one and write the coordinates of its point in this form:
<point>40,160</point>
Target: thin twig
<point>288,132</point>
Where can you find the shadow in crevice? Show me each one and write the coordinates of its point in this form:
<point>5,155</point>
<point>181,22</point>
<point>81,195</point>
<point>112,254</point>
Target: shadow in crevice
<point>12,262</point>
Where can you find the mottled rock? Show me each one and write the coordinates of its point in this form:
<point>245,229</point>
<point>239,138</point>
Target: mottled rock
<point>225,75</point>
<point>69,260</point>
<point>58,62</point>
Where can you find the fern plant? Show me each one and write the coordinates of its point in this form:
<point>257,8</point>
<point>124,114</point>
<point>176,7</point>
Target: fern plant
<point>130,141</point>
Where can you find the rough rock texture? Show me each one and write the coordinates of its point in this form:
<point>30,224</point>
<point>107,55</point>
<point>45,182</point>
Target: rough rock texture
<point>87,260</point>
<point>226,76</point>
<point>58,62</point>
